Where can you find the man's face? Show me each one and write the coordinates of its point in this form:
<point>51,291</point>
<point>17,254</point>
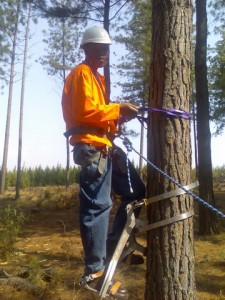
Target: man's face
<point>98,54</point>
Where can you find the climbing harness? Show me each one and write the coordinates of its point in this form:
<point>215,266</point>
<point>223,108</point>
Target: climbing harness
<point>84,129</point>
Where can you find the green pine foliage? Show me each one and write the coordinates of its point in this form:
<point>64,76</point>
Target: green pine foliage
<point>7,20</point>
<point>216,70</point>
<point>134,66</point>
<point>39,176</point>
<point>219,174</point>
<point>217,85</point>
<point>217,10</point>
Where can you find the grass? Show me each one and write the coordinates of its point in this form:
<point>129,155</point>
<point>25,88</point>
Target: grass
<point>50,240</point>
<point>210,267</point>
<point>210,259</point>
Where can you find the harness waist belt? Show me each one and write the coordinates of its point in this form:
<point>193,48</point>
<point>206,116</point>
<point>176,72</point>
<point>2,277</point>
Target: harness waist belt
<point>84,130</point>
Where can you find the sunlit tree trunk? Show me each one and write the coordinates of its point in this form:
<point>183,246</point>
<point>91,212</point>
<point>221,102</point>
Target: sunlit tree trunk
<point>106,26</point>
<point>170,255</point>
<point>9,108</point>
<point>64,77</point>
<point>18,179</point>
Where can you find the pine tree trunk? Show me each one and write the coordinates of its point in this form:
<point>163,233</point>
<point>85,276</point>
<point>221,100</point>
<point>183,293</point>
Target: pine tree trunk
<point>9,108</point>
<point>206,219</point>
<point>67,139</point>
<point>18,179</point>
<point>141,151</point>
<point>170,257</point>
<point>106,26</point>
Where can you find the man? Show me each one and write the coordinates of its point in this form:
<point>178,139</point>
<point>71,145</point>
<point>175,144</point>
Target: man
<point>91,120</point>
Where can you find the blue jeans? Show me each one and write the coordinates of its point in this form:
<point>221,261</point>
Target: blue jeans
<point>99,175</point>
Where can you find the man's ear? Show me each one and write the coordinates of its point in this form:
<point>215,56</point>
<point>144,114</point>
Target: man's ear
<point>86,49</point>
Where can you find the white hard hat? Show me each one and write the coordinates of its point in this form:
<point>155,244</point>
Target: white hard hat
<point>95,35</point>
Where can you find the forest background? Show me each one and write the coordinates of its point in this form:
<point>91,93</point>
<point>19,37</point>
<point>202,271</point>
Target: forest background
<point>44,143</point>
<point>45,110</point>
<point>43,140</point>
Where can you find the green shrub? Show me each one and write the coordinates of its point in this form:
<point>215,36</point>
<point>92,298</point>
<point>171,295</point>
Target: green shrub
<point>219,173</point>
<point>11,221</point>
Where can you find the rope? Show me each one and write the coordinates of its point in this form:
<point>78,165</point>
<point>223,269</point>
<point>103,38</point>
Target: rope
<point>129,147</point>
<point>128,174</point>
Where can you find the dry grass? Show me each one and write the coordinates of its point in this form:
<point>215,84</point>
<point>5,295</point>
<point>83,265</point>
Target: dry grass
<point>210,260</point>
<point>50,239</point>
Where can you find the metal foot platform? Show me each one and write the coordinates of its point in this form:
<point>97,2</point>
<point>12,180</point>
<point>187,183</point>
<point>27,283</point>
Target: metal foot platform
<point>127,242</point>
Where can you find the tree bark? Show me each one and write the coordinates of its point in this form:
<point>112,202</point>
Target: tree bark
<point>206,219</point>
<point>106,26</point>
<point>9,108</point>
<point>170,257</point>
<point>18,178</point>
<point>64,78</point>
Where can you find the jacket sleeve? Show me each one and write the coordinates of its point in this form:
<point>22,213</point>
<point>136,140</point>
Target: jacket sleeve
<point>88,101</point>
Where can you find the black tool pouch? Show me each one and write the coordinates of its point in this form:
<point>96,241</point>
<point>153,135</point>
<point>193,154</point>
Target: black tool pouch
<point>85,154</point>
<point>119,157</point>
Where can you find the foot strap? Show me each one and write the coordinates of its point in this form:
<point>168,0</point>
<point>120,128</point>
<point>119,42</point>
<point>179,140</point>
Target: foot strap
<point>91,277</point>
<point>115,288</point>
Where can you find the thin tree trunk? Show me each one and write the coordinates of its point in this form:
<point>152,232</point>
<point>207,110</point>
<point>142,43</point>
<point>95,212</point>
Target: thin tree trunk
<point>141,150</point>
<point>107,67</point>
<point>18,179</point>
<point>9,108</point>
<point>170,257</point>
<point>206,218</point>
<point>67,139</point>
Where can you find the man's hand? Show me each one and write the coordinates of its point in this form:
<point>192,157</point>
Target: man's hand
<point>128,111</point>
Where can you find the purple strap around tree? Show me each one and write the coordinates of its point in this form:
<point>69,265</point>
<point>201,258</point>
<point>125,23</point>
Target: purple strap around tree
<point>168,112</point>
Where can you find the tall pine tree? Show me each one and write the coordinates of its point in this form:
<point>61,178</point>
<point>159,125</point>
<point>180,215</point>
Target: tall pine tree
<point>170,257</point>
<point>12,13</point>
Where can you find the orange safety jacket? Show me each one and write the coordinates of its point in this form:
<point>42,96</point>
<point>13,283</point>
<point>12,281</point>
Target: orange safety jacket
<point>84,106</point>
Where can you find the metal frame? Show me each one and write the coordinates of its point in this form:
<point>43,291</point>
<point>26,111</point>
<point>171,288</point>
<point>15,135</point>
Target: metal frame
<point>127,242</point>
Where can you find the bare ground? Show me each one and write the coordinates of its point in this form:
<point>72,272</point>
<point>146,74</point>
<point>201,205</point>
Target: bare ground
<point>49,253</point>
<point>51,241</point>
